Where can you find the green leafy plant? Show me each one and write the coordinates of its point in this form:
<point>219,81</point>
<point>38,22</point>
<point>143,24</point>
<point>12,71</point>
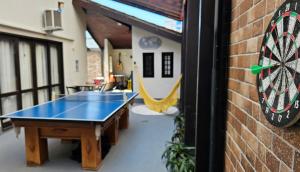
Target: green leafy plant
<point>178,156</point>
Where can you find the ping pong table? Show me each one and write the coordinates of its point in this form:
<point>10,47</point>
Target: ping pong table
<point>84,116</point>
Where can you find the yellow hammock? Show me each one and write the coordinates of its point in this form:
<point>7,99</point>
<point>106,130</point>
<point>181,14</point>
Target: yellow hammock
<point>159,105</point>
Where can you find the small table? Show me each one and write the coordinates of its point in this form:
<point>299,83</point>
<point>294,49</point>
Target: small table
<point>84,116</point>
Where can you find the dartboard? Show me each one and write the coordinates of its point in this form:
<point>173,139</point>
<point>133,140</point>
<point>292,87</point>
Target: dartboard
<point>278,81</point>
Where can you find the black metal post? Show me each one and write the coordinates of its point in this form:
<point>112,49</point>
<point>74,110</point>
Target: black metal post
<point>189,69</point>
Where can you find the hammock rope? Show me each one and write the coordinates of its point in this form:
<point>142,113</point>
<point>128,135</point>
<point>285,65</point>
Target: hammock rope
<point>159,105</point>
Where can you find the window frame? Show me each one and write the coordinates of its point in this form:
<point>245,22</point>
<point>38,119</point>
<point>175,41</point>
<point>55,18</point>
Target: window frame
<point>16,39</point>
<point>146,75</point>
<point>163,56</point>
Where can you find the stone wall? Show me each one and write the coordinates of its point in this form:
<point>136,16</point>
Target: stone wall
<point>94,64</point>
<point>252,144</point>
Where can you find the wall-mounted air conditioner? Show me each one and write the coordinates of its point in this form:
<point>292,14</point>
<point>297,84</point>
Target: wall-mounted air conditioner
<point>52,20</point>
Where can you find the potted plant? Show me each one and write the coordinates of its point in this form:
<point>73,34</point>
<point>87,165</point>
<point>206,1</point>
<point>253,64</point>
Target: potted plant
<point>179,157</point>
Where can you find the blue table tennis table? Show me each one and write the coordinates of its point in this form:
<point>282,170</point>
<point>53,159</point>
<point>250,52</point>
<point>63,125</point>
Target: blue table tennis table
<point>84,116</point>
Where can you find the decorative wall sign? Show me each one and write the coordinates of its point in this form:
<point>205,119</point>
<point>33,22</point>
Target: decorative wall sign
<point>151,42</point>
<point>278,72</point>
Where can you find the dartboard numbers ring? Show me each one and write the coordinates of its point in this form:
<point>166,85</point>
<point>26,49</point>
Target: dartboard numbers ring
<point>278,81</point>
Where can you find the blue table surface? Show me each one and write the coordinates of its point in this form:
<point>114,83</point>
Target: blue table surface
<point>83,106</point>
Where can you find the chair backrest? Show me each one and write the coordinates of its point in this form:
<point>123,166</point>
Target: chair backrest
<point>71,90</point>
<point>109,86</point>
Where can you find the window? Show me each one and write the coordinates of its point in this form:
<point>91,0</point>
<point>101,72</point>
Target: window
<point>167,65</point>
<point>30,70</point>
<point>148,65</point>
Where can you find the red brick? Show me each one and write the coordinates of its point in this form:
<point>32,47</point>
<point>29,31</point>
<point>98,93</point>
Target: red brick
<point>250,139</point>
<point>250,78</point>
<point>246,32</point>
<point>251,124</point>
<point>250,155</point>
<point>245,90</point>
<point>264,135</point>
<point>259,9</point>
<point>259,44</point>
<point>239,167</point>
<point>241,143</point>
<point>236,151</point>
<point>234,3</point>
<point>266,123</point>
<point>262,152</point>
<point>235,13</point>
<point>234,85</point>
<point>242,47</point>
<point>258,28</point>
<point>271,162</point>
<point>256,1</point>
<point>258,165</point>
<point>279,2</point>
<point>246,165</point>
<point>297,162</point>
<point>234,25</point>
<point>252,45</point>
<point>253,93</point>
<point>284,168</point>
<point>243,20</point>
<point>241,116</point>
<point>228,164</point>
<point>234,49</point>
<point>244,103</point>
<point>256,111</point>
<point>267,20</point>
<point>283,151</point>
<point>270,6</point>
<point>237,74</point>
<point>245,5</point>
<point>291,135</point>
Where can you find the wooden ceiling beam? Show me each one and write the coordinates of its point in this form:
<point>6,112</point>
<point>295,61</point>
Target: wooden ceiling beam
<point>130,20</point>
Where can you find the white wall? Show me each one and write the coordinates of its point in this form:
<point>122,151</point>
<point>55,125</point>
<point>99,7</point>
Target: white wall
<point>108,53</point>
<point>126,59</point>
<point>158,87</point>
<point>24,17</point>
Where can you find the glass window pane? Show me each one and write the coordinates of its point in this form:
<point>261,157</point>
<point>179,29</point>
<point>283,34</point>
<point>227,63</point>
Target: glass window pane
<point>55,93</point>
<point>27,100</point>
<point>41,65</point>
<point>43,96</point>
<point>25,65</point>
<point>7,67</point>
<point>54,65</point>
<point>9,104</point>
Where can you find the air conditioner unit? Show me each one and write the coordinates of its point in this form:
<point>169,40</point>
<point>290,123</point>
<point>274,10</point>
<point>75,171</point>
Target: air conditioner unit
<point>52,20</point>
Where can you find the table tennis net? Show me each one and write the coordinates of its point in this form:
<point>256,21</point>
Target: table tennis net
<point>98,98</point>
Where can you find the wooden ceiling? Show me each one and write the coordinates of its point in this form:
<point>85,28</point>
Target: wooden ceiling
<point>171,8</point>
<point>103,22</point>
<point>101,27</point>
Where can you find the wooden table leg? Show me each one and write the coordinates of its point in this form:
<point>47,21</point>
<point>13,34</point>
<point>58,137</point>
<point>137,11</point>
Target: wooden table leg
<point>124,120</point>
<point>90,150</point>
<point>36,147</point>
<point>113,132</point>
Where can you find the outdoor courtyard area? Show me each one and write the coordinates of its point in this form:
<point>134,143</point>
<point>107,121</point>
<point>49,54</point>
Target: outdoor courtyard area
<point>139,149</point>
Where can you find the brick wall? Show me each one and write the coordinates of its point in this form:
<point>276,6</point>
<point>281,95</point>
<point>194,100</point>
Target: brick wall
<point>252,144</point>
<point>94,66</point>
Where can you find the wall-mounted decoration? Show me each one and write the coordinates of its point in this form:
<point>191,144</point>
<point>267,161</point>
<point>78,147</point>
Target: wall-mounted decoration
<point>150,43</point>
<point>278,71</point>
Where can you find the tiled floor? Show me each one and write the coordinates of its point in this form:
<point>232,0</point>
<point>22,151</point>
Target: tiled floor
<point>139,149</point>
